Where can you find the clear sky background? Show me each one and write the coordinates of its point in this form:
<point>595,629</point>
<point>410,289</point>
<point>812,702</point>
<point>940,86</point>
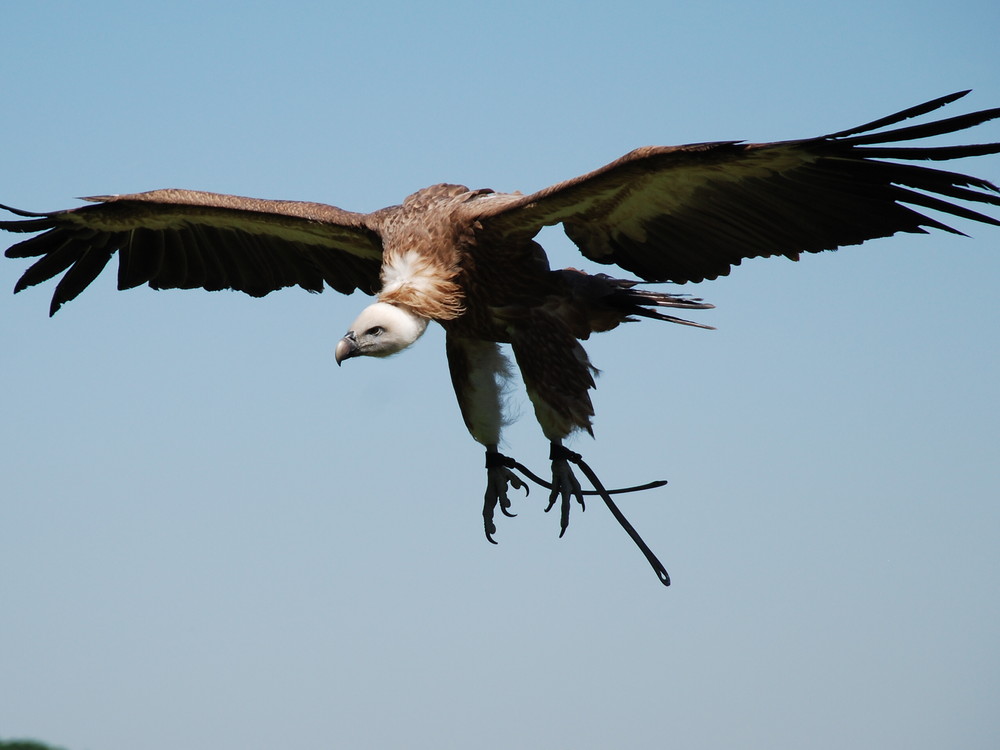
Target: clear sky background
<point>212,537</point>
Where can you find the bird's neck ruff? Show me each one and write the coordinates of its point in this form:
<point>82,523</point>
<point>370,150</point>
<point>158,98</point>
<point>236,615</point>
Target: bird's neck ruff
<point>415,280</point>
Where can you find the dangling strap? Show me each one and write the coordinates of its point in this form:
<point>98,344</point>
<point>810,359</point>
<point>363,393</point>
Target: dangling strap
<point>559,451</point>
<point>494,459</point>
<point>556,452</point>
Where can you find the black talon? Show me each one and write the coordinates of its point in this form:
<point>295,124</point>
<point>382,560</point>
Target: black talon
<point>499,471</point>
<point>565,485</point>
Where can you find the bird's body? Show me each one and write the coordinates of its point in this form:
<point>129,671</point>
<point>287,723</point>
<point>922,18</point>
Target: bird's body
<point>468,259</point>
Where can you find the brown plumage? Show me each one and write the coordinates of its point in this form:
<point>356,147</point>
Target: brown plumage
<point>468,260</point>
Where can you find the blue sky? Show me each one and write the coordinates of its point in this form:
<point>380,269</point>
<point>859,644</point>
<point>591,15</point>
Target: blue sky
<point>211,536</point>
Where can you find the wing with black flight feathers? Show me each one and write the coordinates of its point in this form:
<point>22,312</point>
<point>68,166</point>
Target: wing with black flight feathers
<point>690,213</point>
<point>183,239</point>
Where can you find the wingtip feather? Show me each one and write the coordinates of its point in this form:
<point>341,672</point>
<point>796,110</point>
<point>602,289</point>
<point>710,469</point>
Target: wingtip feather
<point>906,114</point>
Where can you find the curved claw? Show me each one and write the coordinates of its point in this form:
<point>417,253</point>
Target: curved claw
<point>498,477</point>
<point>565,485</point>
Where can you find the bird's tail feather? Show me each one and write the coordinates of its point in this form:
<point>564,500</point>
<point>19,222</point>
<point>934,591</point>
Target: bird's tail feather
<point>643,303</point>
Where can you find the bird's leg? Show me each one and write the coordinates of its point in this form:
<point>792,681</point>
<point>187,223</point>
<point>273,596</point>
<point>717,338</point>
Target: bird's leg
<point>498,476</point>
<point>565,485</point>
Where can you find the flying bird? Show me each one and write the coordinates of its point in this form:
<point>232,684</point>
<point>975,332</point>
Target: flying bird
<point>468,259</point>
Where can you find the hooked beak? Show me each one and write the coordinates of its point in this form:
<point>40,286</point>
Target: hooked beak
<point>347,347</point>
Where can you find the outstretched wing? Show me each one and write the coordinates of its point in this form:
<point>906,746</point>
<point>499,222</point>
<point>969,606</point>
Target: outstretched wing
<point>690,213</point>
<point>183,239</point>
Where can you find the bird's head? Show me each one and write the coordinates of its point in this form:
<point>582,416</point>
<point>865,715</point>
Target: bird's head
<point>381,330</point>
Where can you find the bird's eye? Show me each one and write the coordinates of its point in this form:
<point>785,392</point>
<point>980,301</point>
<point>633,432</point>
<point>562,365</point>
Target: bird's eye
<point>374,331</point>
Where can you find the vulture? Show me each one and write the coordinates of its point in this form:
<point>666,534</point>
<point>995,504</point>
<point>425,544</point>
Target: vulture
<point>468,259</point>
